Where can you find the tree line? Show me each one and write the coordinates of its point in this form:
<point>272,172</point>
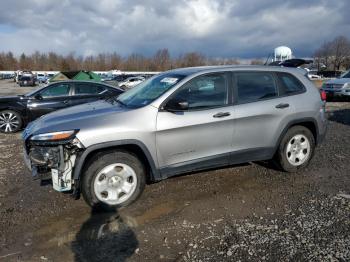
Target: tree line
<point>160,61</point>
<point>331,55</point>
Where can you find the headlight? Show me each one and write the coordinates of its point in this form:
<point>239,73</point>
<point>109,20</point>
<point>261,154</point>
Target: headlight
<point>55,136</point>
<point>347,85</point>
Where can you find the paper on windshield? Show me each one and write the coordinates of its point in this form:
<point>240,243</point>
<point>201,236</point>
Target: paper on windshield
<point>169,80</point>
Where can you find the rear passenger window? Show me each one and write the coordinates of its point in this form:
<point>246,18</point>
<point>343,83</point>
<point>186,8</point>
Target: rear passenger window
<point>88,89</point>
<point>255,86</point>
<point>290,84</point>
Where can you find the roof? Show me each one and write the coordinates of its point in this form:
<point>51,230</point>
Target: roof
<point>89,82</point>
<point>201,69</point>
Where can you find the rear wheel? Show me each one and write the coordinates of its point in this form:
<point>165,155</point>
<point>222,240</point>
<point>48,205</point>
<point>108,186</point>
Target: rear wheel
<point>10,121</point>
<point>113,180</point>
<point>296,149</point>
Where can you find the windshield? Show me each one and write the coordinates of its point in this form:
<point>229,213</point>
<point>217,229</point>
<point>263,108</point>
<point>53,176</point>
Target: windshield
<point>149,90</point>
<point>346,74</point>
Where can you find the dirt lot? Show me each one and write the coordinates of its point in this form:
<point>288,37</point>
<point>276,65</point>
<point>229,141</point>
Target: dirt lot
<point>242,213</point>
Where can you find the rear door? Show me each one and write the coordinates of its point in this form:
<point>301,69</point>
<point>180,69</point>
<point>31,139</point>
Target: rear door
<point>201,135</point>
<point>85,92</point>
<point>53,97</point>
<point>260,113</point>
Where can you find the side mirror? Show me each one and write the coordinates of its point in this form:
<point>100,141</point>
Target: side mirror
<point>38,97</point>
<point>174,105</point>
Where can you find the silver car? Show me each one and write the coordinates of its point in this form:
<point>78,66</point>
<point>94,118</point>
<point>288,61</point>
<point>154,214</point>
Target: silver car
<point>339,87</point>
<point>176,122</point>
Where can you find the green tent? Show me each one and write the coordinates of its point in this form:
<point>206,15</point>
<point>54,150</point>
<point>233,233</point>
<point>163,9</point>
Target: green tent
<point>58,77</point>
<point>76,75</point>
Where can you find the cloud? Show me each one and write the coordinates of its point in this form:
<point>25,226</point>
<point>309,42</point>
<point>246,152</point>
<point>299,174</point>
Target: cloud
<point>242,28</point>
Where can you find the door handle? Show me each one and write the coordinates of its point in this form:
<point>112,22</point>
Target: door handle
<point>282,105</point>
<point>65,102</point>
<point>221,114</point>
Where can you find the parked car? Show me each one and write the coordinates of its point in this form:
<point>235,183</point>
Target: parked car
<point>131,82</point>
<point>120,78</point>
<point>339,87</point>
<point>176,122</point>
<point>26,80</point>
<point>49,76</point>
<point>42,78</point>
<point>17,111</point>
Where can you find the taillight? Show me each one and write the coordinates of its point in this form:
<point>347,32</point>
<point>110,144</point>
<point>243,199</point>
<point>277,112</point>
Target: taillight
<point>323,95</point>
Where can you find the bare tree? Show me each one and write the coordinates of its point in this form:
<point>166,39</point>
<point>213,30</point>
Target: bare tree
<point>161,60</point>
<point>341,51</point>
<point>334,53</point>
<point>257,62</point>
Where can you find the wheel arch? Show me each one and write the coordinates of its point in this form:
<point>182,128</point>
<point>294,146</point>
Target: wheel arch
<point>133,146</point>
<point>308,123</point>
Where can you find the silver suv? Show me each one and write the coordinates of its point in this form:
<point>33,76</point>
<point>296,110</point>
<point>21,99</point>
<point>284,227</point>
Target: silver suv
<point>176,122</point>
<point>339,87</point>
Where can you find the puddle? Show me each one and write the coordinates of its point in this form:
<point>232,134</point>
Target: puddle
<point>156,212</point>
<point>97,226</point>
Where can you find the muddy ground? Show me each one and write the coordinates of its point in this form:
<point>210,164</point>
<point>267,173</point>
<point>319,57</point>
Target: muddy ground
<point>247,212</point>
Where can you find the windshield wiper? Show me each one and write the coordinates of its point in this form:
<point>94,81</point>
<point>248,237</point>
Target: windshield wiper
<point>122,103</point>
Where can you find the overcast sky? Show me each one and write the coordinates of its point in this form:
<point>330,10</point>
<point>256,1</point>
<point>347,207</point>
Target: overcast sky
<point>217,28</point>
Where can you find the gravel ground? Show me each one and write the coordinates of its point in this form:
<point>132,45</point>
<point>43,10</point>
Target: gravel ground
<point>241,213</point>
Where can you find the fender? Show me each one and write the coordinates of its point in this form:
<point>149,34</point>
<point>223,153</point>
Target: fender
<point>295,122</point>
<point>155,174</point>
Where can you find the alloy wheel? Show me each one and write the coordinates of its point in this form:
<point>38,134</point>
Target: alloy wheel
<point>9,122</point>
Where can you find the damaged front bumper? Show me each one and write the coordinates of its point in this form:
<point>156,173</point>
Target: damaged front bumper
<point>53,160</point>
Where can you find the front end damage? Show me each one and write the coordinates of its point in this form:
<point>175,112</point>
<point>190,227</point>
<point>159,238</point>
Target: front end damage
<point>54,160</point>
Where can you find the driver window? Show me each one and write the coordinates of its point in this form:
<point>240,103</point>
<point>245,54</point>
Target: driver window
<point>56,90</point>
<point>206,91</point>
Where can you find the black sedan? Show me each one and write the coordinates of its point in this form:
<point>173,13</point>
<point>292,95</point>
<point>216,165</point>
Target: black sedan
<point>17,111</point>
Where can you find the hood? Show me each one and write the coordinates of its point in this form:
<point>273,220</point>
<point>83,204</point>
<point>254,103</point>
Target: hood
<point>76,117</point>
<point>339,81</point>
<point>11,98</point>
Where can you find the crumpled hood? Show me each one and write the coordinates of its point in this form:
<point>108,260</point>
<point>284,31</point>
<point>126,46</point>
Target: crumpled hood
<point>75,117</point>
<point>339,81</point>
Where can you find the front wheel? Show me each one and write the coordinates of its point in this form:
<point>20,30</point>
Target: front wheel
<point>296,149</point>
<point>113,180</point>
<point>10,121</point>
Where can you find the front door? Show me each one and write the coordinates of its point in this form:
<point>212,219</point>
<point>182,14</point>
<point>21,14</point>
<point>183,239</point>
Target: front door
<point>53,97</point>
<point>201,134</point>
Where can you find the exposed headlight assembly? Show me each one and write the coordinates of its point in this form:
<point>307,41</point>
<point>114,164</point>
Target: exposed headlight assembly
<point>55,136</point>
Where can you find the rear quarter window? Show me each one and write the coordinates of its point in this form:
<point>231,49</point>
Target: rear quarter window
<point>290,84</point>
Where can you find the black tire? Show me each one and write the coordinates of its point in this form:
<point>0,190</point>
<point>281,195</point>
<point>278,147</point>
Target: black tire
<point>281,155</point>
<point>19,121</point>
<point>97,163</point>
